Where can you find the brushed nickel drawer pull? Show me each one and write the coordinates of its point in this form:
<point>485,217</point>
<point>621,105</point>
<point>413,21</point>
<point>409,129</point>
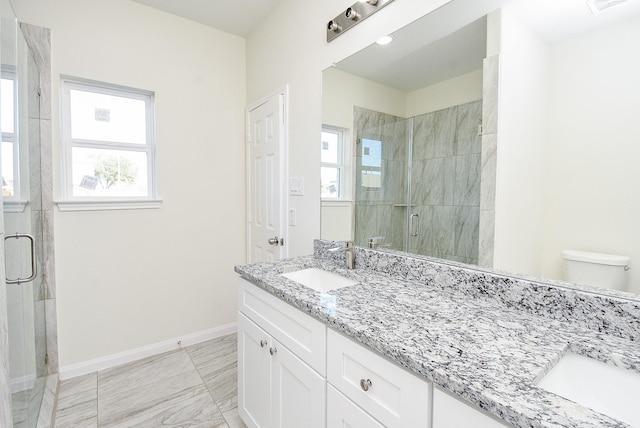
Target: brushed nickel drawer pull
<point>263,343</point>
<point>273,351</point>
<point>365,384</point>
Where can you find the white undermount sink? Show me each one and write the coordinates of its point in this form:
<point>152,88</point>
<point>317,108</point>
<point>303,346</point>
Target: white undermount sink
<point>319,279</point>
<point>605,388</point>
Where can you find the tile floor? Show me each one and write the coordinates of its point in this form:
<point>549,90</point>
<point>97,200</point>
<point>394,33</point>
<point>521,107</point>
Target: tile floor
<point>194,386</point>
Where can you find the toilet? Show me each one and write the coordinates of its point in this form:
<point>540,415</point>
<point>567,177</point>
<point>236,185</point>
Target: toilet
<point>596,269</point>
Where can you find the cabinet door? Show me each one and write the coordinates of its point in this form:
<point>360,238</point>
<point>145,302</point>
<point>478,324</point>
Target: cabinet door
<point>254,373</point>
<point>452,412</point>
<point>297,392</point>
<point>344,413</point>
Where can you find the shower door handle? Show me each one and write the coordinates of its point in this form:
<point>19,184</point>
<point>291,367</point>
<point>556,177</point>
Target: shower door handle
<point>33,258</point>
<point>414,224</point>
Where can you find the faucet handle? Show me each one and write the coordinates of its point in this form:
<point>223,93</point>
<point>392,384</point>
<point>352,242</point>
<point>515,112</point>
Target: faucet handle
<point>348,246</point>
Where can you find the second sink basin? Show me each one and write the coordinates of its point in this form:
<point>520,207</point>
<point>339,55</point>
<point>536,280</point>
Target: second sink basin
<point>319,279</point>
<point>602,387</point>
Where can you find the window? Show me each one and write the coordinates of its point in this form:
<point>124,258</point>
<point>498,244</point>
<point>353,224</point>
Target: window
<point>108,146</point>
<point>334,158</point>
<point>9,147</point>
<point>371,163</point>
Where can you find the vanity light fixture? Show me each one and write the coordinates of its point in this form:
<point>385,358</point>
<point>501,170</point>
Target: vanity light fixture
<point>384,40</point>
<point>353,15</point>
<point>598,6</point>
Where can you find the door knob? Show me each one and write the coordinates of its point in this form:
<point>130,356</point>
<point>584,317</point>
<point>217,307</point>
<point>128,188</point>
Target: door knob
<point>274,241</point>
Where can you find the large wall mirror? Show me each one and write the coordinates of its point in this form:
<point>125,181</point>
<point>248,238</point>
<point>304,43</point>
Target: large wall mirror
<point>494,133</point>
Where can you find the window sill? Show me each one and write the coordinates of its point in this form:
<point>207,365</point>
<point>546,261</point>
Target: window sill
<point>337,202</point>
<point>109,204</point>
<point>14,206</point>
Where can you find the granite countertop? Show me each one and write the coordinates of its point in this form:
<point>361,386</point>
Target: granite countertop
<point>477,347</point>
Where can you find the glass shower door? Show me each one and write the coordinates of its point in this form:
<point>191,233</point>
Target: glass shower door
<point>381,183</point>
<point>22,227</point>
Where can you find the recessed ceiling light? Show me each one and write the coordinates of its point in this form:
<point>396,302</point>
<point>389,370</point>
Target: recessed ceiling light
<point>384,40</point>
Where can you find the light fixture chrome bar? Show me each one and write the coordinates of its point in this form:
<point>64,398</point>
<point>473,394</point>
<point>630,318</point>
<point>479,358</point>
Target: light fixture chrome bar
<point>352,16</point>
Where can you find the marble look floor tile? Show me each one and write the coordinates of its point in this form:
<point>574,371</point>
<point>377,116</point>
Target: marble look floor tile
<point>213,355</point>
<point>186,410</point>
<point>191,387</point>
<point>78,385</point>
<point>114,407</point>
<point>143,372</point>
<point>233,419</point>
<point>80,415</point>
<point>223,386</point>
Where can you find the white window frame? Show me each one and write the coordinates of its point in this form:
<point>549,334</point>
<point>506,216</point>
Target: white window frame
<point>343,164</point>
<point>69,202</point>
<point>13,203</point>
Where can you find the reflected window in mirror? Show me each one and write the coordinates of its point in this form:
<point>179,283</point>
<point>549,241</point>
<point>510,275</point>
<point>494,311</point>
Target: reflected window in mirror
<point>9,135</point>
<point>371,164</point>
<point>334,169</point>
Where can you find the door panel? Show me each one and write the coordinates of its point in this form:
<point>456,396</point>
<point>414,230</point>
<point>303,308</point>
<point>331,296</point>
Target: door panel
<point>266,179</point>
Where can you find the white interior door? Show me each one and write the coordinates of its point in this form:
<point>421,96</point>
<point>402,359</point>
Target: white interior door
<point>266,199</point>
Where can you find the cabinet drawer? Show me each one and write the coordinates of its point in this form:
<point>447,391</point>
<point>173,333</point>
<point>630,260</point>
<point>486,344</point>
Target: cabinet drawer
<point>395,397</point>
<point>342,412</point>
<point>453,412</point>
<point>303,335</point>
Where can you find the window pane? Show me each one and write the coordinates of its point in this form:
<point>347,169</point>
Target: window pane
<point>371,152</point>
<point>329,148</point>
<point>101,172</point>
<point>107,118</point>
<point>372,179</point>
<point>7,105</point>
<point>329,182</point>
<point>8,177</point>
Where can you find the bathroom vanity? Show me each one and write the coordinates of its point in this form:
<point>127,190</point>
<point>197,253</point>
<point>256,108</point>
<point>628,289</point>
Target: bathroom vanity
<point>418,343</point>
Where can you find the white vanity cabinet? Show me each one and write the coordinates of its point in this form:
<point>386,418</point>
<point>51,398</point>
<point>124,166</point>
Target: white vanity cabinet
<point>382,389</point>
<point>281,363</point>
<point>452,412</point>
<point>293,372</point>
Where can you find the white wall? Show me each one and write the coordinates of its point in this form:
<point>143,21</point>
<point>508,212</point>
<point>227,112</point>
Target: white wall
<point>520,173</point>
<point>452,92</point>
<point>287,49</point>
<point>127,279</point>
<point>593,199</point>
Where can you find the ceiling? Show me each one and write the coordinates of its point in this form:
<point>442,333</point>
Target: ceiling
<point>237,17</point>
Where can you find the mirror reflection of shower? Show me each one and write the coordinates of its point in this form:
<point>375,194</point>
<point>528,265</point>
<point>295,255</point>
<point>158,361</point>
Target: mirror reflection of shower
<point>417,184</point>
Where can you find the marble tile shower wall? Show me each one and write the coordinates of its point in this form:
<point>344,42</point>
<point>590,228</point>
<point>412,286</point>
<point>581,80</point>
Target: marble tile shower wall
<point>39,107</point>
<point>445,181</point>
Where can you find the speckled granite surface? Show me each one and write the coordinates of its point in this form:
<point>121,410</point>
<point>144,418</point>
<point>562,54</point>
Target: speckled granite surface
<point>484,337</point>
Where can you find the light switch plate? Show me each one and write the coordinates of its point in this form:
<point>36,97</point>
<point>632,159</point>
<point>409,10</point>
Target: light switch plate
<point>296,186</point>
<point>292,216</point>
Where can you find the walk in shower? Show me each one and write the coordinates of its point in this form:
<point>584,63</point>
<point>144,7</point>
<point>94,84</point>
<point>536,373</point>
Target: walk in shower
<point>30,357</point>
<point>418,181</point>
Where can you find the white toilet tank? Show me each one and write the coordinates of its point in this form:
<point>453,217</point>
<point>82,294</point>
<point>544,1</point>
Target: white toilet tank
<point>596,269</point>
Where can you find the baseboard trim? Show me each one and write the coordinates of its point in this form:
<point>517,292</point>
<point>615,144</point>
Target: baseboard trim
<point>108,361</point>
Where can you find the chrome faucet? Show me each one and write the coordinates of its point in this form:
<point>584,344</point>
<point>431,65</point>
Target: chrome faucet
<point>350,249</point>
<point>378,242</point>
